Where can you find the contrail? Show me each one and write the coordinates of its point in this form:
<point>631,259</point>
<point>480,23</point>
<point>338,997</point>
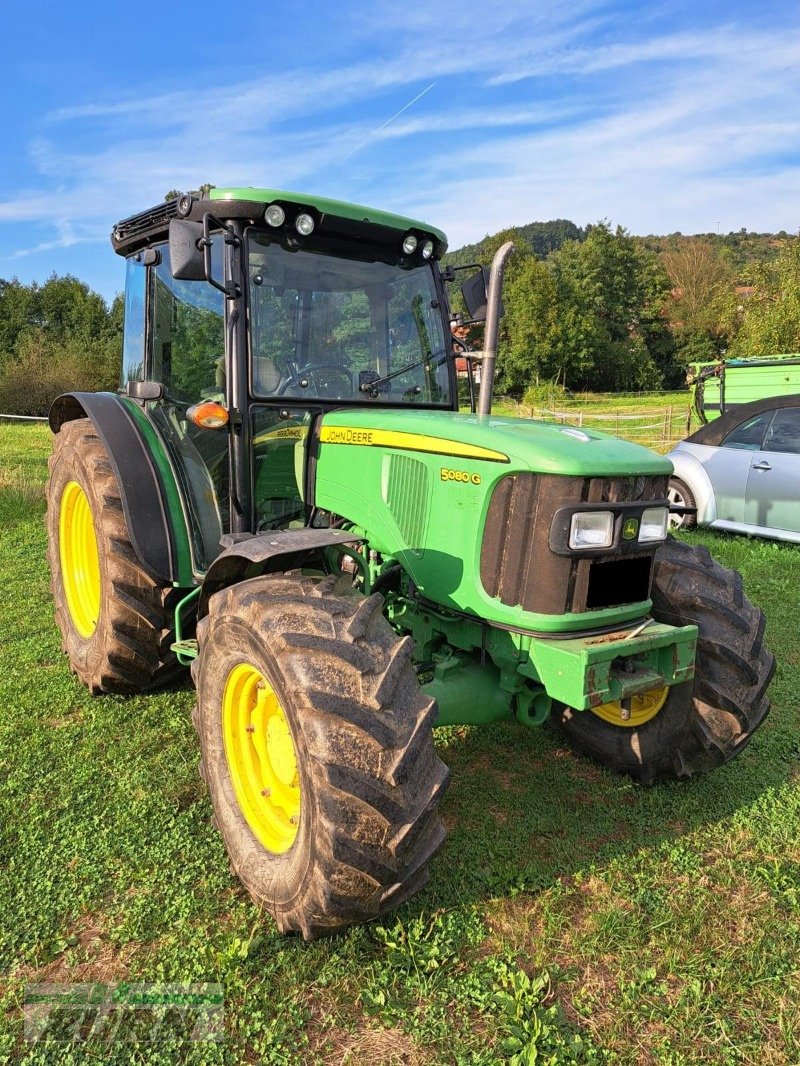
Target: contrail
<point>387,122</point>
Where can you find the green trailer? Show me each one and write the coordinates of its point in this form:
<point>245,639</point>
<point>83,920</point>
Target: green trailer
<point>718,387</point>
<point>284,498</point>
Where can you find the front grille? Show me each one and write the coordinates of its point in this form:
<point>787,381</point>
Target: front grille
<point>518,567</point>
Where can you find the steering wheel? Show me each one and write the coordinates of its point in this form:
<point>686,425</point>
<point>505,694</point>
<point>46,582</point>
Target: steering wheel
<point>316,377</point>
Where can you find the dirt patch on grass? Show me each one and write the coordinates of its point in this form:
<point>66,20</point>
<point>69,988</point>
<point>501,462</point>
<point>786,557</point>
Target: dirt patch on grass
<point>514,923</point>
<point>89,956</point>
<point>378,1047</point>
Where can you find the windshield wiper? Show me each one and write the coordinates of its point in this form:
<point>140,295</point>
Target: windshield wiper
<point>372,386</point>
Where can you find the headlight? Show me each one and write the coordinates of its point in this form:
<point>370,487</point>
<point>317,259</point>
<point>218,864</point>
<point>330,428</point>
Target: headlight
<point>409,244</point>
<point>427,249</point>
<point>654,524</point>
<point>304,224</point>
<point>275,215</point>
<point>591,529</point>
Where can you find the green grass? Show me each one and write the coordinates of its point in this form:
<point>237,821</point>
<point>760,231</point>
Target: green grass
<point>656,420</point>
<point>570,911</point>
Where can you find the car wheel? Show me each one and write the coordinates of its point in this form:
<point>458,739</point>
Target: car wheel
<point>680,495</point>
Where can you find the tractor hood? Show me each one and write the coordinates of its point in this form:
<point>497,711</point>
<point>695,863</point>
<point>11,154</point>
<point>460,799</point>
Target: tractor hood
<point>421,487</point>
<point>540,447</point>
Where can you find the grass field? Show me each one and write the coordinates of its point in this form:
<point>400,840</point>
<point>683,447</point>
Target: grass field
<point>572,916</point>
<point>657,420</point>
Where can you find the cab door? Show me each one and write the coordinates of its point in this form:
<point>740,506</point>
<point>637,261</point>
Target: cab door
<point>773,482</point>
<point>185,354</point>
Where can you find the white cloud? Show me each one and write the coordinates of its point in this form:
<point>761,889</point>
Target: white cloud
<point>530,117</point>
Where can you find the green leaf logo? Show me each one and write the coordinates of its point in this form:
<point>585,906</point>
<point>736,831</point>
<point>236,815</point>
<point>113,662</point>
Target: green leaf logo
<point>630,529</point>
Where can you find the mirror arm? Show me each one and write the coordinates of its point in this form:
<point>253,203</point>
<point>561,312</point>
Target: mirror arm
<point>230,288</point>
<point>449,271</point>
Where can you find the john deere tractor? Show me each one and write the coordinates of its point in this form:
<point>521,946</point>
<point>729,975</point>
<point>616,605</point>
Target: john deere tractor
<point>283,496</point>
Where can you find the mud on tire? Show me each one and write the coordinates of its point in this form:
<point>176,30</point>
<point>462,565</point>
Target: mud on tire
<point>369,775</point>
<point>128,651</point>
<point>707,721</point>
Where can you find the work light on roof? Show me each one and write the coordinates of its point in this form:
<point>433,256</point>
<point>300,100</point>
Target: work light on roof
<point>409,243</point>
<point>304,224</point>
<point>275,215</point>
<point>427,249</point>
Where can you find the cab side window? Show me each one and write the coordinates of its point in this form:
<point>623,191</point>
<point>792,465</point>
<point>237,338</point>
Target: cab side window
<point>134,322</point>
<point>784,433</point>
<point>187,333</point>
<point>749,436</point>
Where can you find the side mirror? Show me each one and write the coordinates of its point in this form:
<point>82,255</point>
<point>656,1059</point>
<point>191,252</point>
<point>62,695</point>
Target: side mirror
<point>475,293</point>
<point>186,254</point>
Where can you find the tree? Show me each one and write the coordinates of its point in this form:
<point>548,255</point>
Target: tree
<point>701,281</point>
<point>768,321</point>
<point>591,317</point>
<point>608,324</point>
<point>526,349</point>
<point>54,337</point>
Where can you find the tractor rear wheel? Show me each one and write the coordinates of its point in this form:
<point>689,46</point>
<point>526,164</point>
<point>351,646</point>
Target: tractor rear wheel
<point>114,619</point>
<point>317,751</point>
<point>686,729</point>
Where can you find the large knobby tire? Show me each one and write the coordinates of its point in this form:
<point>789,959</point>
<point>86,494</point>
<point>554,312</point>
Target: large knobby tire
<point>114,618</point>
<point>705,722</point>
<point>368,776</point>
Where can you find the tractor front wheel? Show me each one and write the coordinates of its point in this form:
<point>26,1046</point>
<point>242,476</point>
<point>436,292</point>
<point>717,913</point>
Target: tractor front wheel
<point>689,728</point>
<point>114,618</point>
<point>317,751</point>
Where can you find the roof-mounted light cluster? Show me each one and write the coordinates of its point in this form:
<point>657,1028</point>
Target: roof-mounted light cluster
<point>411,244</point>
<point>304,223</point>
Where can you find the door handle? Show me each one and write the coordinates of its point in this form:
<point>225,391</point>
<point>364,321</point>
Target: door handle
<point>762,466</point>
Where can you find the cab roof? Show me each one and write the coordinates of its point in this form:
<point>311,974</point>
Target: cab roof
<point>334,217</point>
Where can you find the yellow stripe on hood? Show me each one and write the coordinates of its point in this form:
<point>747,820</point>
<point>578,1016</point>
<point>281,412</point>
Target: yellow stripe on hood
<point>414,442</point>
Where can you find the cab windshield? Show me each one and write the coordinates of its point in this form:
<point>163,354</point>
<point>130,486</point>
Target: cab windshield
<point>336,329</point>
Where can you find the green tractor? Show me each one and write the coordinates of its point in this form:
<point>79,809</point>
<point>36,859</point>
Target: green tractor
<point>283,496</point>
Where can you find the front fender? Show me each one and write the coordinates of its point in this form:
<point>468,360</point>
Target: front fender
<point>692,472</point>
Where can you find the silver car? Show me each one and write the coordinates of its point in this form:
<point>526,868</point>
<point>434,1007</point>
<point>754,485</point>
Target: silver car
<point>742,471</point>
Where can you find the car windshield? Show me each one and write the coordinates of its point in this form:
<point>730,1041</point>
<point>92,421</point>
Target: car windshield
<point>326,327</point>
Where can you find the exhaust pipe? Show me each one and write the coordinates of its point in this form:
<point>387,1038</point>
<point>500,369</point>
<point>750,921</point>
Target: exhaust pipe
<point>492,326</point>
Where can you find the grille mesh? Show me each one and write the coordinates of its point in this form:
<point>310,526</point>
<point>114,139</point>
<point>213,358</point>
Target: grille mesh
<point>517,566</point>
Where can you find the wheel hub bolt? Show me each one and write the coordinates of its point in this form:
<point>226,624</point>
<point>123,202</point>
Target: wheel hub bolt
<point>250,729</point>
<point>266,792</point>
<point>294,820</point>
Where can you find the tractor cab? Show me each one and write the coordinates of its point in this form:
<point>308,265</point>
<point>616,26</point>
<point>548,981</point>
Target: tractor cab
<point>255,312</point>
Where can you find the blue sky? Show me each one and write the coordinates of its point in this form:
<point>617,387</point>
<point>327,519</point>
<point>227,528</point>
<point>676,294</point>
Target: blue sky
<point>658,116</point>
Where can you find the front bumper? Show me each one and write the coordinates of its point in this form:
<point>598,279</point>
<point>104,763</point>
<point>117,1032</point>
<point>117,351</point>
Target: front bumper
<point>588,671</point>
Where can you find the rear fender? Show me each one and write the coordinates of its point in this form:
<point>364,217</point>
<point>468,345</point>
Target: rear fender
<point>157,530</point>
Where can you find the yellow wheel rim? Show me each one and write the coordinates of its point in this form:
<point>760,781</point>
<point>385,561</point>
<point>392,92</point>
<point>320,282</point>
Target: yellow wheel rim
<point>261,758</point>
<point>80,561</point>
<point>643,708</point>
